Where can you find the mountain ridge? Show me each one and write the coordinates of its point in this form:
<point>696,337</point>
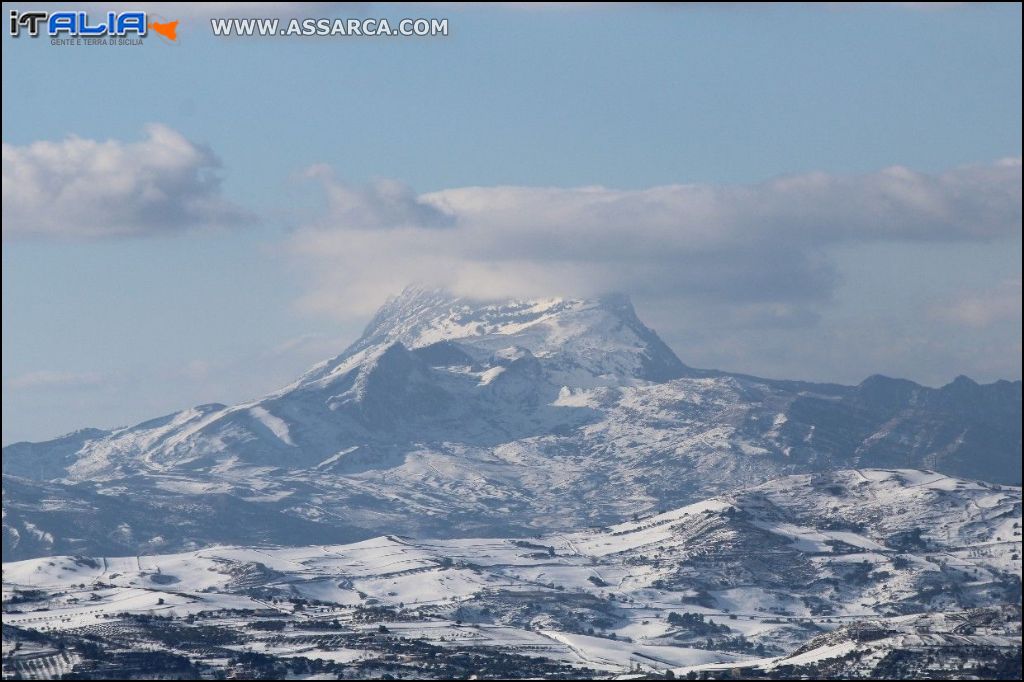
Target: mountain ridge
<point>449,415</point>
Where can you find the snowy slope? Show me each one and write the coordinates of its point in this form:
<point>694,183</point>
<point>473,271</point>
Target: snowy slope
<point>454,417</point>
<point>795,574</point>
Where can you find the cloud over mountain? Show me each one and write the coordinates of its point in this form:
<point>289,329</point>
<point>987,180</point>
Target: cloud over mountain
<point>764,245</point>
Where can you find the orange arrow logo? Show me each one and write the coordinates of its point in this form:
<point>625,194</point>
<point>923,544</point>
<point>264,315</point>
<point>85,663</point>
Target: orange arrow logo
<point>168,30</point>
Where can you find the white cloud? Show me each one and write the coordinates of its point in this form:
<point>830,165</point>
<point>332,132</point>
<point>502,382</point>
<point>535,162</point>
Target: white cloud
<point>381,204</point>
<point>757,251</point>
<point>82,188</point>
<point>43,379</point>
<point>982,309</point>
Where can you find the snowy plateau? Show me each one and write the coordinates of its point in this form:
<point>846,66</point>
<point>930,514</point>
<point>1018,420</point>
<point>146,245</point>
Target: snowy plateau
<point>525,489</point>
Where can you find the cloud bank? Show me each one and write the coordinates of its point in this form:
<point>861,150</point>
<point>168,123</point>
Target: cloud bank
<point>985,308</point>
<point>760,252</point>
<point>49,379</point>
<point>88,189</point>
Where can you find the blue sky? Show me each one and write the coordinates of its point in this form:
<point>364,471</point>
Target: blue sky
<point>333,153</point>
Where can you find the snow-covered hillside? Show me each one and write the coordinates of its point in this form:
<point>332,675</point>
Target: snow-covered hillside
<point>861,573</point>
<point>450,417</point>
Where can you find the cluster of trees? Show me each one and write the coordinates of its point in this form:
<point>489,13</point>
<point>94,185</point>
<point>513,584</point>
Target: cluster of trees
<point>695,624</point>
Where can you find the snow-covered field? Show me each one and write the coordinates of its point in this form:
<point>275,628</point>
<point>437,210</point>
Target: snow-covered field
<point>757,579</point>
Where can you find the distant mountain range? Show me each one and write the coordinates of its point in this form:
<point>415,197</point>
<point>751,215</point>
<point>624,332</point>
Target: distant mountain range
<point>451,417</point>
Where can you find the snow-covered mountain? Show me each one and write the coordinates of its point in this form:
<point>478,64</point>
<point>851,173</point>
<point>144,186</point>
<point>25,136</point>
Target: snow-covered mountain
<point>881,574</point>
<point>451,417</point>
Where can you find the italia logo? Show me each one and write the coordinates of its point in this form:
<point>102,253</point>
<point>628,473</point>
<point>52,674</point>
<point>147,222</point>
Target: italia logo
<point>81,25</point>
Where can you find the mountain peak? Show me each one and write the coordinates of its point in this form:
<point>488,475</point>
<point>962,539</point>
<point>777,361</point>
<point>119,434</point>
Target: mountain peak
<point>587,338</point>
